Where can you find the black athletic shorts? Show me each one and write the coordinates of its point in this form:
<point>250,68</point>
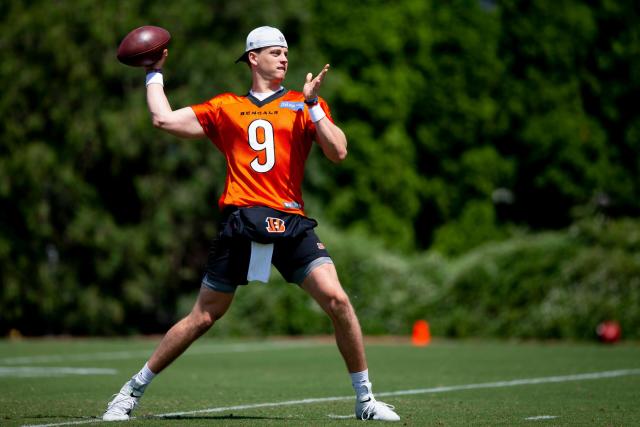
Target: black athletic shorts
<point>294,258</point>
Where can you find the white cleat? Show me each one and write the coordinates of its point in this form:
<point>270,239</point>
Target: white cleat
<point>123,403</point>
<point>368,408</point>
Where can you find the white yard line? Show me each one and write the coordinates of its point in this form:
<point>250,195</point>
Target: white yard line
<point>443,389</point>
<point>541,417</point>
<point>195,350</point>
<point>340,417</point>
<point>55,371</point>
<point>511,383</point>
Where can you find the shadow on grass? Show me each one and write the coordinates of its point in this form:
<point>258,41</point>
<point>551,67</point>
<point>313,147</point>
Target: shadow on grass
<point>48,417</point>
<point>149,418</point>
<point>215,417</point>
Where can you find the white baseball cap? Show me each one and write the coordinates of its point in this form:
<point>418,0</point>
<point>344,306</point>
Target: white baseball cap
<point>263,37</point>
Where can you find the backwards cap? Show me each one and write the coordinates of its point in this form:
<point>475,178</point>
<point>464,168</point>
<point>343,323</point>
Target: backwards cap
<point>262,37</point>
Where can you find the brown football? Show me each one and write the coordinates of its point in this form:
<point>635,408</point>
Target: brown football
<point>143,46</point>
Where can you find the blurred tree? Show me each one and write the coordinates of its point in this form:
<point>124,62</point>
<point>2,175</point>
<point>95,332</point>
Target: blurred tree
<point>463,119</point>
<point>104,221</point>
<point>566,102</point>
<point>416,83</point>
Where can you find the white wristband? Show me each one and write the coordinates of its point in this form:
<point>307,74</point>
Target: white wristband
<point>154,77</point>
<point>317,113</point>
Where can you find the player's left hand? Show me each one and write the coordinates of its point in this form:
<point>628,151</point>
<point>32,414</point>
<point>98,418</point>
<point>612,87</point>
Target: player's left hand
<point>312,86</point>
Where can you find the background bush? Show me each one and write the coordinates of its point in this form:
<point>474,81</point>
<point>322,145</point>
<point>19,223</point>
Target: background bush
<point>548,285</point>
<point>474,126</point>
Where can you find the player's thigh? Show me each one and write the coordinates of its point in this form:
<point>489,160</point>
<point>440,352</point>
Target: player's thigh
<point>212,304</point>
<point>323,285</point>
<point>296,257</point>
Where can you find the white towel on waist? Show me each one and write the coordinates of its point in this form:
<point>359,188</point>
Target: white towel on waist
<point>260,262</point>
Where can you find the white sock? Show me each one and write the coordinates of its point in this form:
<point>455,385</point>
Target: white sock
<point>361,384</point>
<point>143,378</point>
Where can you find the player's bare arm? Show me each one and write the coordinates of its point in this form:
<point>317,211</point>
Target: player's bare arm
<point>332,140</point>
<point>183,122</point>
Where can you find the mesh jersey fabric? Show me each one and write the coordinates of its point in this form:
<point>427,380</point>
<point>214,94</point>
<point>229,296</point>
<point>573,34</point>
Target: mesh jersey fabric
<point>265,144</point>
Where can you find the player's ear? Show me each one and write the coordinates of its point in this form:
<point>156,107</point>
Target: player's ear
<point>252,58</point>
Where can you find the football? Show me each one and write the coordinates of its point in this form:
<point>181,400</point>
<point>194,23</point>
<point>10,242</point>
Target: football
<point>143,46</point>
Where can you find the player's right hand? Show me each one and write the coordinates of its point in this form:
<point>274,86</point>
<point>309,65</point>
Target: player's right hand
<point>158,65</point>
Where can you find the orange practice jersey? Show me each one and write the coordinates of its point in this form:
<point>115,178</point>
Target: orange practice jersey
<point>266,144</point>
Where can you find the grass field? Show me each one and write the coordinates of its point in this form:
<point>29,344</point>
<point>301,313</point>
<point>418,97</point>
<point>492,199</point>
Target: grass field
<point>303,382</point>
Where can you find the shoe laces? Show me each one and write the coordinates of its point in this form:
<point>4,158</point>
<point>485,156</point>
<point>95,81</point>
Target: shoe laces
<point>370,407</point>
<point>126,402</point>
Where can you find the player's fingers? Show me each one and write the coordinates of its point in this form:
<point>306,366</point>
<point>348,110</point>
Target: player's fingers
<point>160,62</point>
<point>322,73</point>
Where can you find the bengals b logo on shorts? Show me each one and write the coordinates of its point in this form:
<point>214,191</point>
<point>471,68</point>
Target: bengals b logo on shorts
<point>275,225</point>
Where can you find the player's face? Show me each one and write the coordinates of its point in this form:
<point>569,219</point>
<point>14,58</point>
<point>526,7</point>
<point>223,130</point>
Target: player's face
<point>272,62</point>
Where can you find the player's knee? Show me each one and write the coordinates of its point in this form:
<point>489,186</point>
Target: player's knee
<point>204,321</point>
<point>339,305</point>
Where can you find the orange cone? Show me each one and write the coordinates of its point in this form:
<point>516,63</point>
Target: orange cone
<point>421,334</point>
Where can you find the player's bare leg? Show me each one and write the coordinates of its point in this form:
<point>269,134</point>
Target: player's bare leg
<point>323,285</point>
<point>209,307</point>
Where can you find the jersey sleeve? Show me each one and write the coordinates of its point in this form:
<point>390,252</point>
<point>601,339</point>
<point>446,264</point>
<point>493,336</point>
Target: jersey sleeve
<point>207,115</point>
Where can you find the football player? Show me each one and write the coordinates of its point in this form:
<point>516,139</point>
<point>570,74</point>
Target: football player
<point>265,137</point>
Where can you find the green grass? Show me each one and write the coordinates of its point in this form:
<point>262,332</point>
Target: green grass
<point>214,374</point>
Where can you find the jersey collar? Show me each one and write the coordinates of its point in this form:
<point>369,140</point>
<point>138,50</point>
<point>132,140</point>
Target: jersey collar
<point>277,94</point>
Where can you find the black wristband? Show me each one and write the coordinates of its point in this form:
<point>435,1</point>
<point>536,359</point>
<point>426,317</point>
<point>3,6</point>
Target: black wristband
<point>311,102</point>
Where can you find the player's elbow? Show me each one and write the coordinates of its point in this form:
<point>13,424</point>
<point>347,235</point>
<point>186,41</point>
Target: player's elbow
<point>337,156</point>
<point>341,148</point>
<point>159,122</point>
<point>340,155</point>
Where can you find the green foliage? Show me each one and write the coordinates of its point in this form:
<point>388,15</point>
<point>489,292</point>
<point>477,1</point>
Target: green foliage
<point>565,122</point>
<point>104,220</point>
<point>554,285</point>
<point>417,79</point>
<point>550,285</point>
<point>465,121</point>
<point>477,225</point>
